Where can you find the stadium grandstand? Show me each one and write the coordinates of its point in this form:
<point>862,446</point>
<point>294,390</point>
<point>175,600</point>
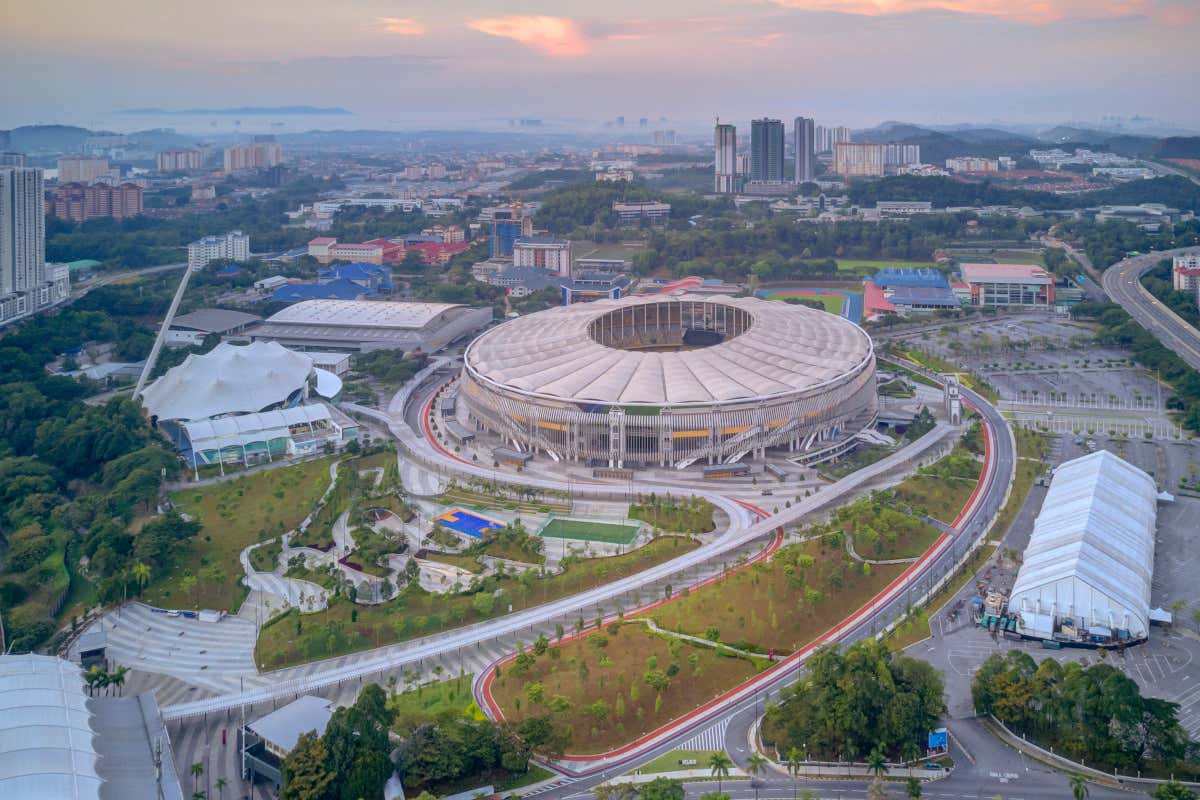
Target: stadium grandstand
<point>671,380</point>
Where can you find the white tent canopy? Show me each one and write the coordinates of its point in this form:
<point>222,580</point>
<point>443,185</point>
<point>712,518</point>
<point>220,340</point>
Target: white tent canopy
<point>45,733</point>
<point>228,380</point>
<point>1091,553</point>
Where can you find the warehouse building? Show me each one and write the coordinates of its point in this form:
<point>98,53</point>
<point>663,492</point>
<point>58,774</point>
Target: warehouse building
<point>1087,570</point>
<point>191,329</point>
<point>360,326</point>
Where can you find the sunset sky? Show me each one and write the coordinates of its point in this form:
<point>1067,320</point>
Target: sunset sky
<point>455,62</point>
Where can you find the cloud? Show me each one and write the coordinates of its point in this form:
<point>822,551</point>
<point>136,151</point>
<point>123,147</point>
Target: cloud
<point>405,26</point>
<point>554,36</point>
<point>1037,12</point>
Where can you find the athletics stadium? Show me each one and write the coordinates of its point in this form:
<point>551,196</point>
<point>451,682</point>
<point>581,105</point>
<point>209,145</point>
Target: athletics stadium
<point>671,380</point>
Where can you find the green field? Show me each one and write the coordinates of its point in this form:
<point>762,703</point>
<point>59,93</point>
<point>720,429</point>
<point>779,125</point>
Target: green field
<point>589,531</point>
<point>669,762</point>
<point>833,303</point>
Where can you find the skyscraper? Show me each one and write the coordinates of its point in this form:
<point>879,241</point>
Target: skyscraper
<point>766,150</point>
<point>724,158</point>
<point>804,136</point>
<point>25,286</point>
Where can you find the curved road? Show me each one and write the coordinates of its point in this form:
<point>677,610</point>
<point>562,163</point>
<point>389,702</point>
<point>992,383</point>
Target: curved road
<point>1122,282</point>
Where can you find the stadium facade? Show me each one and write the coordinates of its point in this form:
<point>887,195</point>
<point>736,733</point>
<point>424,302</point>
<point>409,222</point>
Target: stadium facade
<point>671,380</point>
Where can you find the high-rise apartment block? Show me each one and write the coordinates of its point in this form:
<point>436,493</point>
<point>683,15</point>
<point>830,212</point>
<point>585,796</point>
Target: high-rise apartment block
<point>858,159</point>
<point>766,150</point>
<point>827,137</point>
<point>233,246</point>
<point>253,156</point>
<point>864,159</point>
<point>27,284</point>
<point>82,169</point>
<point>1185,274</point>
<point>804,140</point>
<point>12,159</point>
<point>508,225</point>
<point>545,252</point>
<point>664,138</point>
<point>79,202</point>
<point>180,160</point>
<point>725,159</point>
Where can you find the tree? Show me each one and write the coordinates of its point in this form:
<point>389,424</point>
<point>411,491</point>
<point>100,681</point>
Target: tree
<point>197,769</point>
<point>305,776</point>
<point>876,763</point>
<point>718,766</point>
<point>221,783</point>
<point>117,677</point>
<point>662,789</point>
<point>794,763</point>
<point>141,575</point>
<point>756,764</point>
<point>1079,786</point>
<point>1173,790</point>
<point>914,789</point>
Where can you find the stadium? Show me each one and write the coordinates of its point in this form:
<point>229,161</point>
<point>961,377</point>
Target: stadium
<point>671,381</point>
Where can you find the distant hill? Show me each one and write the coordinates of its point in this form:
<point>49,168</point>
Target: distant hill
<point>245,111</point>
<point>937,146</point>
<point>48,138</point>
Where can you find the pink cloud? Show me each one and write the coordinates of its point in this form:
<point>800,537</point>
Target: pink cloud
<point>405,26</point>
<point>1029,11</point>
<point>554,36</point>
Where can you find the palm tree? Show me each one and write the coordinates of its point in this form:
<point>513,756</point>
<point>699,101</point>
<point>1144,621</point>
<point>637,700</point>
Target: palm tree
<point>93,678</point>
<point>221,784</point>
<point>876,763</point>
<point>200,795</point>
<point>755,765</point>
<point>1079,786</point>
<point>141,574</point>
<point>117,678</point>
<point>793,765</point>
<point>718,767</point>
<point>197,770</point>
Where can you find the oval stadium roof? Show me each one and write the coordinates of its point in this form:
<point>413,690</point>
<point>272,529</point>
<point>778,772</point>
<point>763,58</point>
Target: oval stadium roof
<point>786,348</point>
<point>228,380</point>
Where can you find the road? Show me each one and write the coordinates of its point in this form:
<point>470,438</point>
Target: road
<point>581,774</point>
<point>1092,287</point>
<point>1122,282</point>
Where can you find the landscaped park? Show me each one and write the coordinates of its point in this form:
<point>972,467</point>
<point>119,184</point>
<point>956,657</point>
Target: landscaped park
<point>613,684</point>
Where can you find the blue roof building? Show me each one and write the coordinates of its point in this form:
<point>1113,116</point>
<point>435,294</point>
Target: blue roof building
<point>337,289</point>
<point>373,277</point>
<point>893,277</point>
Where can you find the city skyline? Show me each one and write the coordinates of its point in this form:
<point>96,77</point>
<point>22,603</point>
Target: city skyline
<point>963,60</point>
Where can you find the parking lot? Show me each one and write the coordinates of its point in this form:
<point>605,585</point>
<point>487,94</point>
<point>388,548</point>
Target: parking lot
<point>1166,666</point>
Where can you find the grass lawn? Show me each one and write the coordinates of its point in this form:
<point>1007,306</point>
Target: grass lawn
<point>448,696</point>
<point>589,531</point>
<point>234,515</point>
<point>346,628</point>
<point>512,550</point>
<point>321,577</point>
<point>678,514</point>
<point>584,675</point>
<point>264,558</point>
<point>833,303</point>
<point>469,563</point>
<point>782,603</point>
<point>669,762</point>
<point>942,489</point>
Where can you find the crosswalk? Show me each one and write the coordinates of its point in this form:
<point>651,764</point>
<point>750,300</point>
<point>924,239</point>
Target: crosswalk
<point>712,738</point>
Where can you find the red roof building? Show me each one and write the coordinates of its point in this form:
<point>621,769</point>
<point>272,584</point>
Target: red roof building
<point>439,252</point>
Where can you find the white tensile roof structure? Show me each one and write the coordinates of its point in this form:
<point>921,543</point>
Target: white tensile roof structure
<point>229,379</point>
<point>786,348</point>
<point>1091,554</point>
<point>45,733</point>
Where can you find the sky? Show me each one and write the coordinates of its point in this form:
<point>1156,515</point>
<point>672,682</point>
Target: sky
<point>399,64</point>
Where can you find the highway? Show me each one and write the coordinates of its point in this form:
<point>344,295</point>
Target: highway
<point>1122,283</point>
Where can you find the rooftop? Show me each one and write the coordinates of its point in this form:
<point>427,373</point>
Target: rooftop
<point>989,273</point>
<point>284,726</point>
<point>362,313</point>
<point>214,320</point>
